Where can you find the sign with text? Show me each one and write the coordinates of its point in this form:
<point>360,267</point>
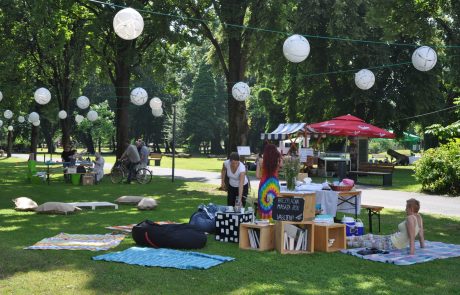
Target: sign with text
<point>304,153</point>
<point>288,209</point>
<point>243,150</point>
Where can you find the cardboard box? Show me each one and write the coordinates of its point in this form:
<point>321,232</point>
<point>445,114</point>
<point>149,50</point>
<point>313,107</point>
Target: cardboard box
<point>88,180</point>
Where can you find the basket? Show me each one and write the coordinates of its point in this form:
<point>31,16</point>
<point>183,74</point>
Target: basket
<point>341,188</point>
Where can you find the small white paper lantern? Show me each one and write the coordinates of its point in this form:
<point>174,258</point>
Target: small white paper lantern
<point>92,116</point>
<point>424,58</point>
<point>139,96</point>
<point>8,114</point>
<point>21,119</point>
<point>155,103</point>
<point>157,112</point>
<point>83,102</point>
<point>10,128</point>
<point>1,96</point>
<point>241,91</point>
<point>1,123</point>
<point>33,117</point>
<point>62,114</point>
<point>364,79</point>
<point>79,118</point>
<point>42,96</point>
<point>296,48</point>
<point>128,24</point>
<point>36,123</point>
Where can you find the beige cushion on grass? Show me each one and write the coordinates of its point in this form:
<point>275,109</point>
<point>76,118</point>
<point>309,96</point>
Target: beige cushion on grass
<point>147,204</point>
<point>56,208</point>
<point>24,204</point>
<point>134,200</point>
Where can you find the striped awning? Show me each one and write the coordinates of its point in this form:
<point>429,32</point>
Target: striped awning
<point>283,131</point>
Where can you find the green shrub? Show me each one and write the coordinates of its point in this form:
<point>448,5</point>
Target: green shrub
<point>439,169</point>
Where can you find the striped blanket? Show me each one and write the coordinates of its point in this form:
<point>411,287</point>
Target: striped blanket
<point>65,241</point>
<point>432,251</point>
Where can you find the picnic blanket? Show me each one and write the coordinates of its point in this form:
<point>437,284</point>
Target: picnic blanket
<point>432,251</point>
<point>65,241</point>
<point>129,227</point>
<point>165,258</point>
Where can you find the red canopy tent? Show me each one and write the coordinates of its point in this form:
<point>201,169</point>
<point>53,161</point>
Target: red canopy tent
<point>349,125</point>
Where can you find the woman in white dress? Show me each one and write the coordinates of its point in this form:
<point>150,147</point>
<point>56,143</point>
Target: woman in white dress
<point>99,167</point>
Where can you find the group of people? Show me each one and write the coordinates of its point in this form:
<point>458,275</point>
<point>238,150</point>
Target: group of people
<point>269,162</point>
<point>70,156</point>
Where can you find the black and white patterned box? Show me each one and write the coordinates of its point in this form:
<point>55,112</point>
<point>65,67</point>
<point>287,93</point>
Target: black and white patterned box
<point>228,226</point>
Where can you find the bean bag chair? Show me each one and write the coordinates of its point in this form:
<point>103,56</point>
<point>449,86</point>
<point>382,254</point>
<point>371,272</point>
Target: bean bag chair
<point>129,200</point>
<point>174,236</point>
<point>147,204</point>
<point>57,208</point>
<point>24,204</point>
<point>201,220</point>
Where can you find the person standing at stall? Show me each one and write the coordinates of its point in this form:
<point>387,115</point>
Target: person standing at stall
<point>238,187</point>
<point>269,186</point>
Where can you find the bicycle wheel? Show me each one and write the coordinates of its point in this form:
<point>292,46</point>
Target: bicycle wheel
<point>117,175</point>
<point>143,176</point>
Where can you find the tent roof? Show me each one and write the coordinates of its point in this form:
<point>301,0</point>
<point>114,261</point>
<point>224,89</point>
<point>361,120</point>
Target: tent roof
<point>283,131</point>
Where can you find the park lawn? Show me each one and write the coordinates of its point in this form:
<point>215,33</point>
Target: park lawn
<point>73,272</point>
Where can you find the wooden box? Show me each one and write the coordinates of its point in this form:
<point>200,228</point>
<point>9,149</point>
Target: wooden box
<point>279,236</point>
<point>325,232</point>
<point>266,234</point>
<point>87,179</point>
<point>228,226</point>
<point>309,203</point>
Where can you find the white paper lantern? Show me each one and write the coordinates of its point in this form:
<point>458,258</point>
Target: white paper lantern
<point>62,114</point>
<point>241,91</point>
<point>296,48</point>
<point>10,128</point>
<point>139,96</point>
<point>79,118</point>
<point>128,24</point>
<point>1,123</point>
<point>8,114</point>
<point>1,96</point>
<point>21,119</point>
<point>92,116</point>
<point>157,112</point>
<point>33,117</point>
<point>424,58</point>
<point>155,103</point>
<point>36,123</point>
<point>42,96</point>
<point>83,102</point>
<point>364,79</point>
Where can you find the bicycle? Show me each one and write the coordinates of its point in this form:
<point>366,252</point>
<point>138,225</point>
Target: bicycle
<point>120,171</point>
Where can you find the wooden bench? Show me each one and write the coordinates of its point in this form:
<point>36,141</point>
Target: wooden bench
<point>377,169</point>
<point>156,157</point>
<point>371,211</point>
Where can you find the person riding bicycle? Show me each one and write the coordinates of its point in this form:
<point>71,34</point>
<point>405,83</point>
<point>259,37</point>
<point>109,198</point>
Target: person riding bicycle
<point>132,155</point>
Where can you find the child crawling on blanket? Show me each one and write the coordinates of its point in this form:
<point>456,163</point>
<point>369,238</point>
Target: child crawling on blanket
<point>409,230</point>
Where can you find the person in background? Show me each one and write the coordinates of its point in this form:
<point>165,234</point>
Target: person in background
<point>410,229</point>
<point>143,153</point>
<point>132,155</point>
<point>99,167</point>
<point>269,186</point>
<point>67,156</point>
<point>238,183</point>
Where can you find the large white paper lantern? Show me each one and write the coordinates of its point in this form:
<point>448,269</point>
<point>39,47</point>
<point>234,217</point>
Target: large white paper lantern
<point>62,114</point>
<point>296,48</point>
<point>33,117</point>
<point>42,96</point>
<point>155,103</point>
<point>8,114</point>
<point>10,128</point>
<point>36,123</point>
<point>1,96</point>
<point>364,79</point>
<point>92,116</point>
<point>241,91</point>
<point>424,58</point>
<point>21,119</point>
<point>79,118</point>
<point>128,24</point>
<point>83,102</point>
<point>139,96</point>
<point>157,112</point>
<point>1,123</point>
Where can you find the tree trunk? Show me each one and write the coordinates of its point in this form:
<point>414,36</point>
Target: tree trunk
<point>9,146</point>
<point>65,139</point>
<point>33,139</point>
<point>99,145</point>
<point>167,149</point>
<point>122,74</point>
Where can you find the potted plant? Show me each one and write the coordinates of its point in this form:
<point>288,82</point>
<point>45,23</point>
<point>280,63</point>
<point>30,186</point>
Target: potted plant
<point>291,167</point>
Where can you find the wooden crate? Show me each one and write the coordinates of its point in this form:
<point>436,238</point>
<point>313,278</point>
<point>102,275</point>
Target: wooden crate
<point>279,236</point>
<point>324,232</point>
<point>266,236</point>
<point>309,203</point>
<point>87,179</point>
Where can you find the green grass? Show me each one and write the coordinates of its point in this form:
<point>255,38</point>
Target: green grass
<point>73,272</point>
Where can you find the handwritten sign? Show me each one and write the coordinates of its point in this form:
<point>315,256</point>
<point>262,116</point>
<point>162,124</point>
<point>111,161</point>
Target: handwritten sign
<point>288,209</point>
<point>304,153</point>
<point>243,150</point>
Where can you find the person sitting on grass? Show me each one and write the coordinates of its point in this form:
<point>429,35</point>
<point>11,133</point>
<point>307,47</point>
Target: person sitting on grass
<point>410,229</point>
